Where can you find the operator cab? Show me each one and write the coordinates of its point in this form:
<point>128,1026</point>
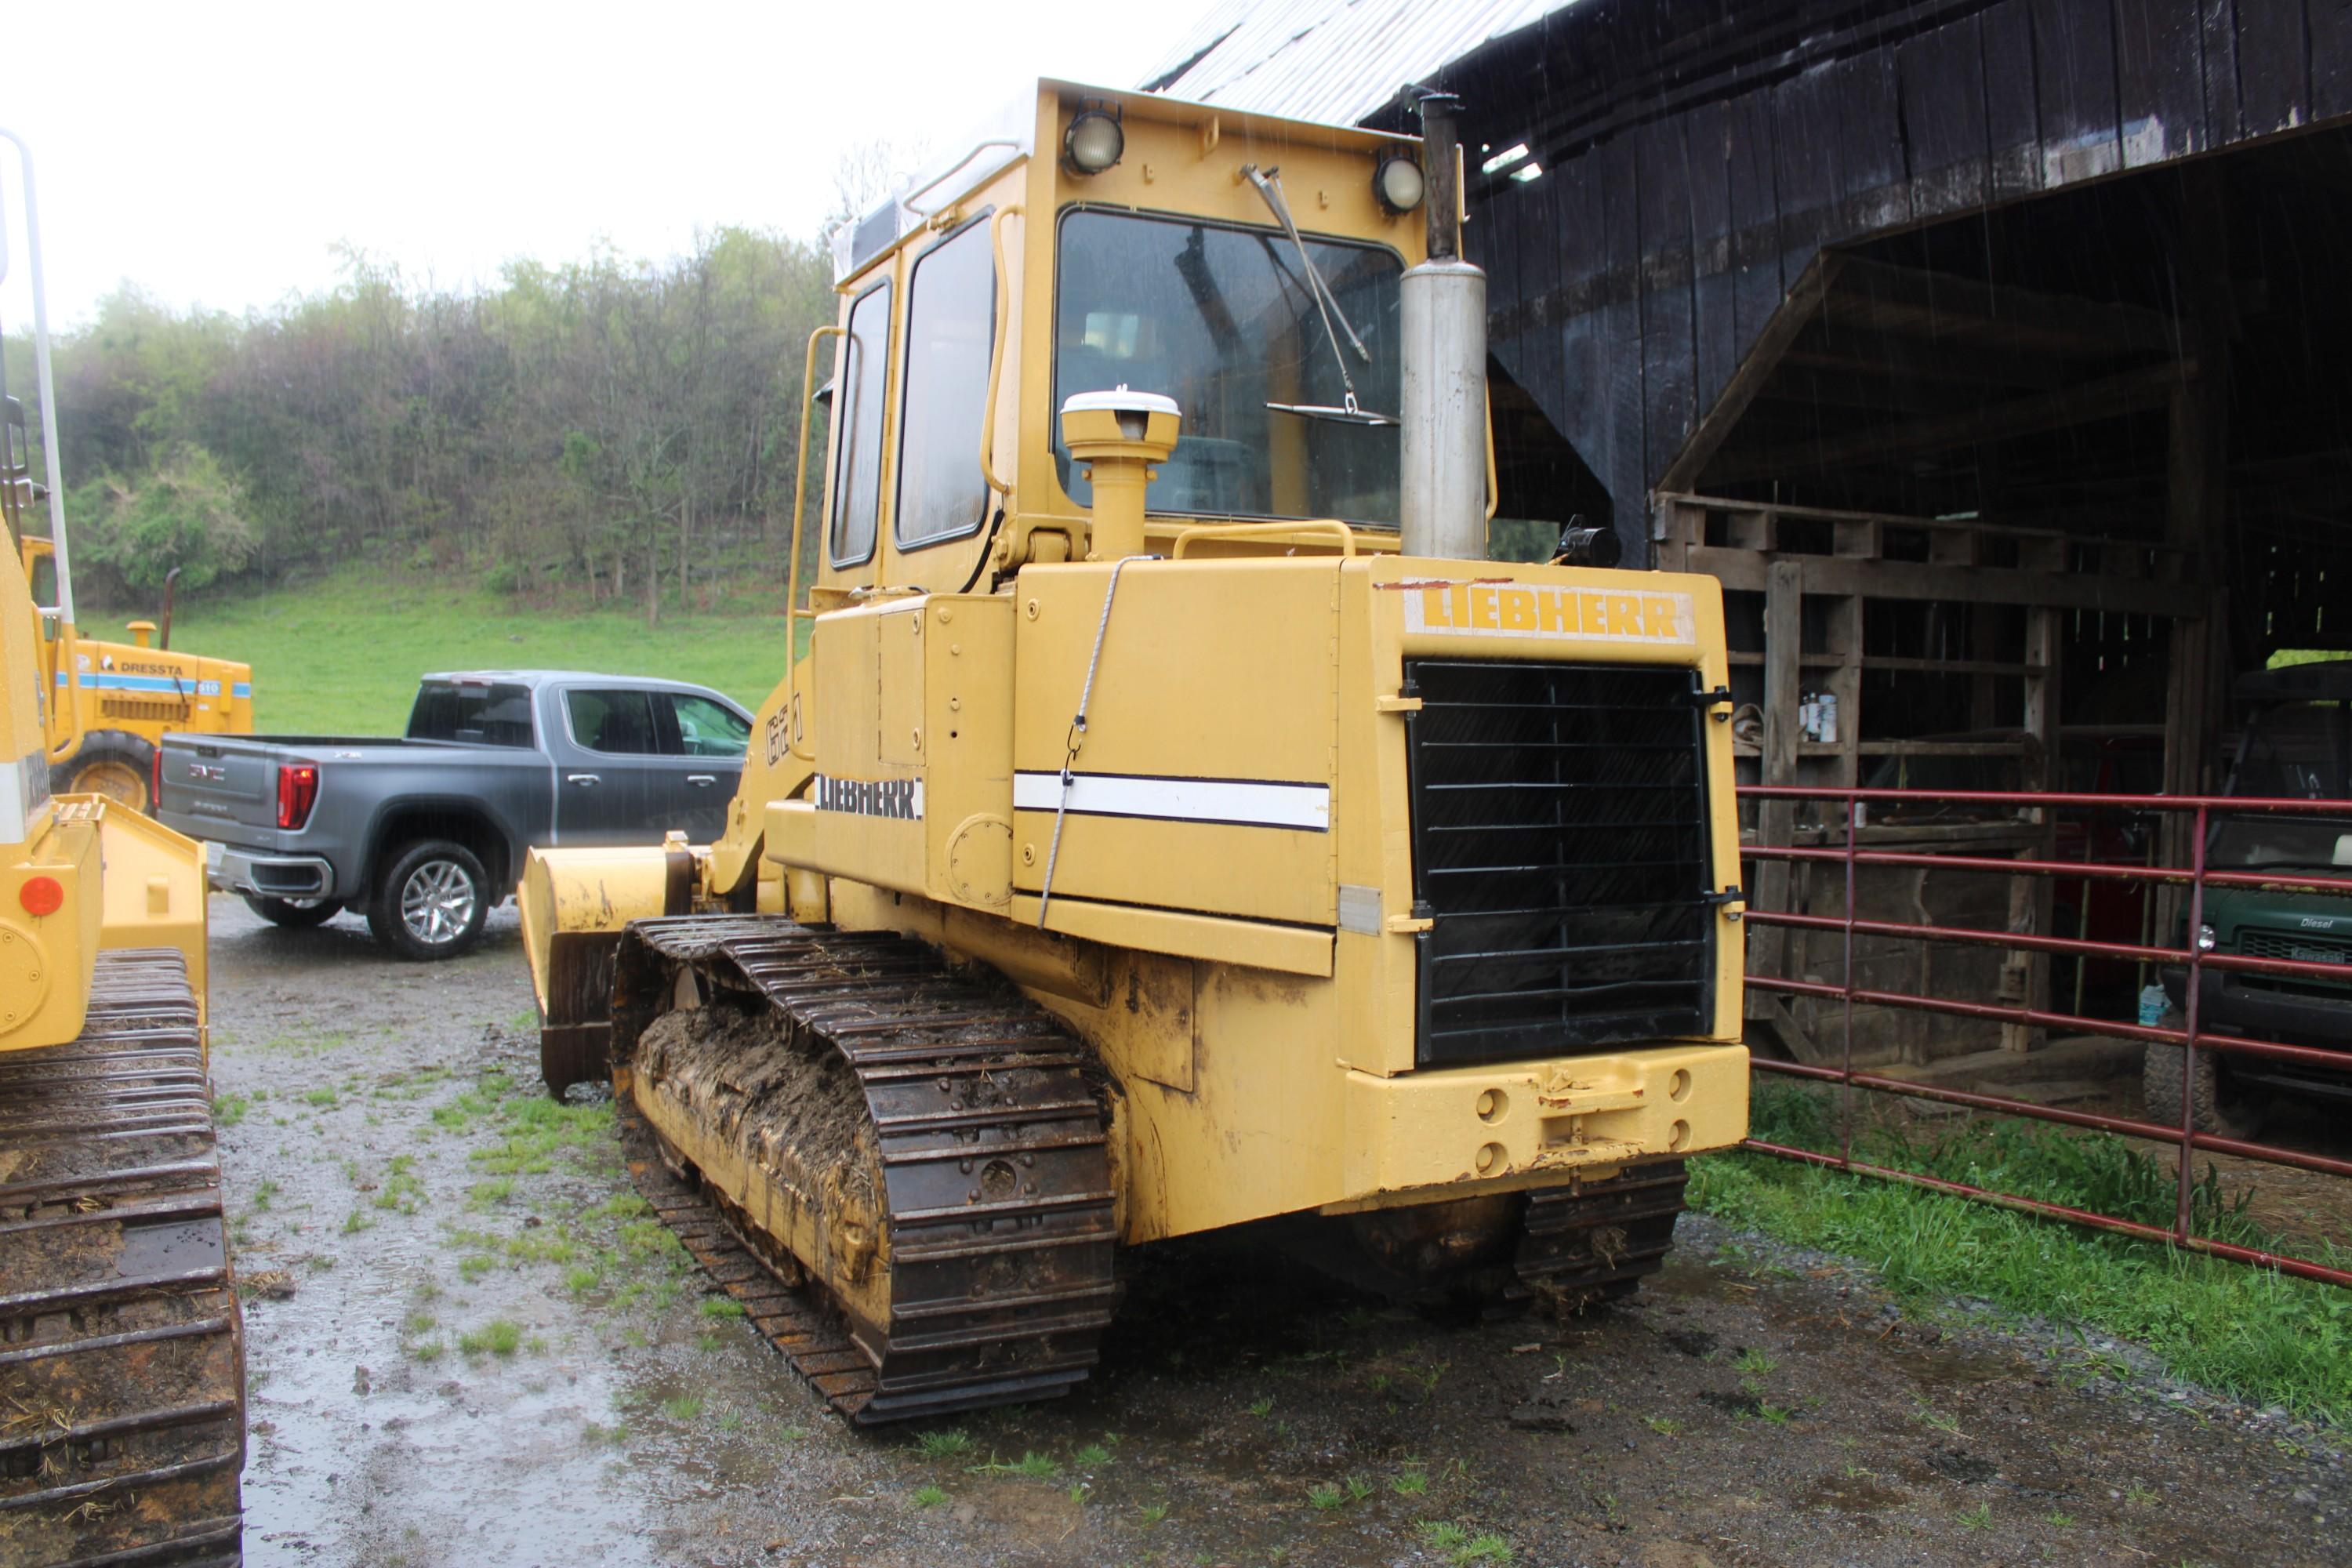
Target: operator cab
<point>1086,242</point>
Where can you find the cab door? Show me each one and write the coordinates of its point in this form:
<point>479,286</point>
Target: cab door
<point>703,742</point>
<point>605,773</point>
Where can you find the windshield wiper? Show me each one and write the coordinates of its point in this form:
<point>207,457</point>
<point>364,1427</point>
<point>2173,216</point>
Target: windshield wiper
<point>1269,190</point>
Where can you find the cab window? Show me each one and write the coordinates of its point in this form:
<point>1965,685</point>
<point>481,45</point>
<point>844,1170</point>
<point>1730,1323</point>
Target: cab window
<point>1221,320</point>
<point>619,724</point>
<point>858,472</point>
<point>951,331</point>
<point>705,729</point>
<point>44,581</point>
<point>476,712</point>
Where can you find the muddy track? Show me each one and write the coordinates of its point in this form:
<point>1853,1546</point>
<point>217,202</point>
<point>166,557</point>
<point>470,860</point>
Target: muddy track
<point>988,1146</point>
<point>122,1360</point>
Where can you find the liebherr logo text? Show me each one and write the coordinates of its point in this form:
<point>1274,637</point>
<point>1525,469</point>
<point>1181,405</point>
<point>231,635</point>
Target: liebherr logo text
<point>902,800</point>
<point>1532,610</point>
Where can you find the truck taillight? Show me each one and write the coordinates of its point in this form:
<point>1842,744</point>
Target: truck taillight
<point>298,790</point>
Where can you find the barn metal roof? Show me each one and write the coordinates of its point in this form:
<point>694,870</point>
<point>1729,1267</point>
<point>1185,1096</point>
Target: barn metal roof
<point>1333,61</point>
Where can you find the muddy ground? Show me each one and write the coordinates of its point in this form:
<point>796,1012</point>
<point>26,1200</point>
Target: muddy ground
<point>467,1346</point>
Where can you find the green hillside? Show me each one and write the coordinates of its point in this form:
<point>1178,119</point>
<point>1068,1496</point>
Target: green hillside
<point>342,655</point>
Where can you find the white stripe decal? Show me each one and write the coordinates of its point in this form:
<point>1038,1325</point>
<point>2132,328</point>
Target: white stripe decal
<point>1243,802</point>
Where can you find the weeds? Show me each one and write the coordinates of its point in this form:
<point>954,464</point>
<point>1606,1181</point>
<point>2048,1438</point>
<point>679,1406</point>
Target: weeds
<point>1756,1363</point>
<point>1460,1546</point>
<point>1261,1408</point>
<point>356,1222</point>
<point>943,1445</point>
<point>682,1408</point>
<point>1090,1456</point>
<point>1411,1483</point>
<point>228,1109</point>
<point>928,1497</point>
<point>1977,1518</point>
<point>1663,1425</point>
<point>499,1337</point>
<point>1324,1496</point>
<point>2258,1335</point>
<point>496,1190</point>
<point>721,1306</point>
<point>323,1097</point>
<point>1034,1466</point>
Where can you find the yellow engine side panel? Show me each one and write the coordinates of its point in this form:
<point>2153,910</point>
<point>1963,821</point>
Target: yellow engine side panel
<point>1215,697</point>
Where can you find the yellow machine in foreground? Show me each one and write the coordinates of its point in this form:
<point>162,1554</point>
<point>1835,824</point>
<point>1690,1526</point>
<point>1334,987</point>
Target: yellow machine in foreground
<point>1176,823</point>
<point>122,1352</point>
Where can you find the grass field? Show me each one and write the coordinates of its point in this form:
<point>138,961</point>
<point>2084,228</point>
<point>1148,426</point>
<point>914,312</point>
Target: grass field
<point>342,655</point>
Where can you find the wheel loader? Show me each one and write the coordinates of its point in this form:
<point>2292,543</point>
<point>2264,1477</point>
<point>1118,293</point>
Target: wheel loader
<point>122,1349</point>
<point>112,702</point>
<point>1176,823</point>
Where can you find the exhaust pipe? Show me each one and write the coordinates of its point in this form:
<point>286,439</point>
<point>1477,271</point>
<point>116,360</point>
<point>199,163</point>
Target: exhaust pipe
<point>1443,494</point>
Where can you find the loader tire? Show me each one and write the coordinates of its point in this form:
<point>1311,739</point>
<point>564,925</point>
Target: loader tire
<point>112,764</point>
<point>431,900</point>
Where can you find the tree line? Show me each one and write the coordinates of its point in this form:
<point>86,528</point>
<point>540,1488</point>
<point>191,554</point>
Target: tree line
<point>609,428</point>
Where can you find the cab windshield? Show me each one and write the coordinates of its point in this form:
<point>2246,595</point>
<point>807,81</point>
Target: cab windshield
<point>1223,320</point>
<point>2298,751</point>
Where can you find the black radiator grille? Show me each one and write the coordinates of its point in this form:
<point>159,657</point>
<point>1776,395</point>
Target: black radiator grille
<point>1559,837</point>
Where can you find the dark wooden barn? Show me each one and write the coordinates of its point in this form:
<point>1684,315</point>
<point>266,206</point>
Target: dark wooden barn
<point>1990,354</point>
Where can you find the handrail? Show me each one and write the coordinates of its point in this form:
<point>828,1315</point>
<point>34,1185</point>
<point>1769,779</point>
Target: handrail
<point>1494,481</point>
<point>799,484</point>
<point>951,171</point>
<point>996,354</point>
<point>1347,536</point>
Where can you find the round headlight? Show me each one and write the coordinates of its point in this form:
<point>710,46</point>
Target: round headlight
<point>2208,939</point>
<point>1398,183</point>
<point>1093,143</point>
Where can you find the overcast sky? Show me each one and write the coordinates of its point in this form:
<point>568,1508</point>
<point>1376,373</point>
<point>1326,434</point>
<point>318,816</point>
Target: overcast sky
<point>213,154</point>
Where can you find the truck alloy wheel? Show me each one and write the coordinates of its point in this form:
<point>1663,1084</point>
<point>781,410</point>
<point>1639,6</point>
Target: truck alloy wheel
<point>431,901</point>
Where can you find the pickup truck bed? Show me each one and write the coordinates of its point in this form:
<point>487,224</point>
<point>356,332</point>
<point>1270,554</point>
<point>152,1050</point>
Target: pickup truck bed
<point>426,832</point>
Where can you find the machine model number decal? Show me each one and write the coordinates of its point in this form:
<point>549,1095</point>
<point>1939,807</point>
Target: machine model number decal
<point>901,800</point>
<point>779,734</point>
<point>1533,610</point>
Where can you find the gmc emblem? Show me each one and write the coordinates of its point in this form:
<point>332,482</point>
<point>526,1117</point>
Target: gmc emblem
<point>208,773</point>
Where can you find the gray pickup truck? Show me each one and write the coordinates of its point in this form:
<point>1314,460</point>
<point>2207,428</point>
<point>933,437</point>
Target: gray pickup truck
<point>428,832</point>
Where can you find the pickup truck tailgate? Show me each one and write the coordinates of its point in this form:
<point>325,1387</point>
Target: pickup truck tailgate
<point>221,779</point>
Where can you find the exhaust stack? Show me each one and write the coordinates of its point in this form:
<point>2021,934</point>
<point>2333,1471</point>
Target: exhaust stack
<point>1442,498</point>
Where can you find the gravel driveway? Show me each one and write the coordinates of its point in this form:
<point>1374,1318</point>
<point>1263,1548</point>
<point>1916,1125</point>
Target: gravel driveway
<point>468,1346</point>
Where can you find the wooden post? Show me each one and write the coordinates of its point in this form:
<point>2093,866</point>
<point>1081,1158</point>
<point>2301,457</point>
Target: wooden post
<point>1784,636</point>
<point>2031,900</point>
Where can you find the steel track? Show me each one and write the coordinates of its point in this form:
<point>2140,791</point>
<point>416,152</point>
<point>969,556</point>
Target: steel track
<point>994,1164</point>
<point>122,1348</point>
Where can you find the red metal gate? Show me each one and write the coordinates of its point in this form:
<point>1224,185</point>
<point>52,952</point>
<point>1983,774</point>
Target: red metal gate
<point>2190,1036</point>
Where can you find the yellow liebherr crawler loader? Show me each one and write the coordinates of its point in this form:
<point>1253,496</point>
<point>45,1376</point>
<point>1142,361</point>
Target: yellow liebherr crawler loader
<point>1175,822</point>
<point>121,1358</point>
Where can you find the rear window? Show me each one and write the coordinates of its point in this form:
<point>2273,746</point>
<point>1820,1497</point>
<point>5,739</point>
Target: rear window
<point>485,714</point>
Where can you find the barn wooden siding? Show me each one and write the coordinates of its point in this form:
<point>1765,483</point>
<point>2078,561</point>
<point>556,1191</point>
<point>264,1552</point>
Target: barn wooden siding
<point>1698,156</point>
